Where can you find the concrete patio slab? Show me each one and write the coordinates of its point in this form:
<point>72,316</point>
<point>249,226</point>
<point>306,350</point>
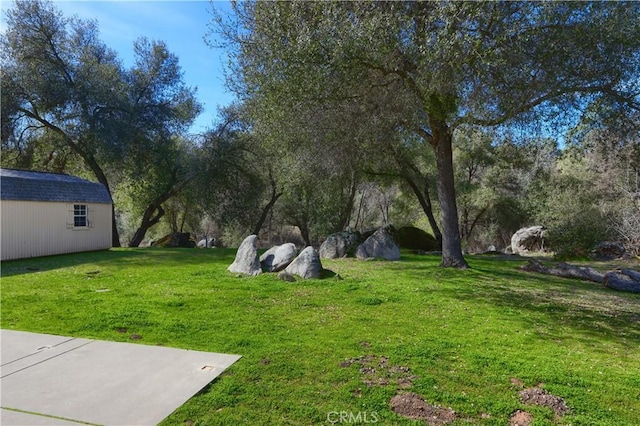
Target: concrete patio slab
<point>18,418</point>
<point>66,380</point>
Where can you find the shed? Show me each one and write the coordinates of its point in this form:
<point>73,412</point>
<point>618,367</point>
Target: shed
<point>44,214</point>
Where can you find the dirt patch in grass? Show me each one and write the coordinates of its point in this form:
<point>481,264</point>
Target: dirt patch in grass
<point>412,406</point>
<point>377,371</point>
<point>520,418</point>
<point>542,398</point>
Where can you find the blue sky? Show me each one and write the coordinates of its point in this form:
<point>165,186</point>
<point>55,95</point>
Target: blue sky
<point>181,24</point>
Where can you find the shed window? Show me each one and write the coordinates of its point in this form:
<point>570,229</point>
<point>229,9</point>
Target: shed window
<point>80,216</point>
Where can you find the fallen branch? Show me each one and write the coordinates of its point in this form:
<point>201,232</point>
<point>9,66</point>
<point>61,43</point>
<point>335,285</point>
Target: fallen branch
<point>623,281</point>
<point>620,279</point>
<point>565,270</point>
<point>633,274</point>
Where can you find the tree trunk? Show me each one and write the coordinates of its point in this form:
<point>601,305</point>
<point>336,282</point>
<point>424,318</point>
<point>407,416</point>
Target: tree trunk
<point>184,218</point>
<point>148,220</point>
<point>302,223</point>
<point>102,178</point>
<point>345,213</point>
<point>115,236</point>
<point>425,203</point>
<point>362,196</point>
<point>265,211</point>
<point>304,231</point>
<point>451,245</point>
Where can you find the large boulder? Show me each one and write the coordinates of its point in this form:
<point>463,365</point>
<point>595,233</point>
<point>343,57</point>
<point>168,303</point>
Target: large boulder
<point>527,240</point>
<point>410,237</point>
<point>306,265</point>
<point>607,250</point>
<point>247,261</point>
<point>278,257</point>
<point>339,245</point>
<point>379,245</point>
<point>175,240</point>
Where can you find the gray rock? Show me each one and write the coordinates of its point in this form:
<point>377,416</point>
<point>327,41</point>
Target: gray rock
<point>607,250</point>
<point>379,245</point>
<point>247,261</point>
<point>207,243</point>
<point>284,276</point>
<point>306,265</point>
<point>339,245</point>
<point>529,239</point>
<point>278,257</point>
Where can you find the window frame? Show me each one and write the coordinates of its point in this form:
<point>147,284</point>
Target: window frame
<point>80,216</point>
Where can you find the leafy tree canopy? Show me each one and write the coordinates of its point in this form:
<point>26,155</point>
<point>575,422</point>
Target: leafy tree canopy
<point>61,85</point>
<point>444,64</point>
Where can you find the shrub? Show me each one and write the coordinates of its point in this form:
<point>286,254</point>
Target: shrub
<point>575,236</point>
<point>627,229</point>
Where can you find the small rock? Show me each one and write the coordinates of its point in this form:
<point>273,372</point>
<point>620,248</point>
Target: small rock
<point>285,276</point>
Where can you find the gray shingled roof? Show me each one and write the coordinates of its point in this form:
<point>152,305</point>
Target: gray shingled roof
<point>40,186</point>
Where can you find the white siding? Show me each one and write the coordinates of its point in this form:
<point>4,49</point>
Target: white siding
<point>35,228</point>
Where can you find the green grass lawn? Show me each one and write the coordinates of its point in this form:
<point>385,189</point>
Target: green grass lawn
<point>459,338</point>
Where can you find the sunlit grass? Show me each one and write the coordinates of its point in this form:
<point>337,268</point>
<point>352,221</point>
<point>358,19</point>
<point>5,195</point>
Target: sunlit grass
<point>463,335</point>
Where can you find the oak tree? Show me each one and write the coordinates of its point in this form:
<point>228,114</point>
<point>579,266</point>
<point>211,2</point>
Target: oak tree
<point>452,63</point>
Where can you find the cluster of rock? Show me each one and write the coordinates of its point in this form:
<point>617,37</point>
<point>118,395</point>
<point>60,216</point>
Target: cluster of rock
<point>375,244</point>
<point>382,243</point>
<point>283,259</point>
<point>379,244</point>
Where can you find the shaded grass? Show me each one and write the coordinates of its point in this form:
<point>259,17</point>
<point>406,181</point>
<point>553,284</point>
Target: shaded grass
<point>464,334</point>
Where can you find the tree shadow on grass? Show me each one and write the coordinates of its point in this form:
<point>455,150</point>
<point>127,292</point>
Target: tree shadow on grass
<point>144,257</point>
<point>588,308</point>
